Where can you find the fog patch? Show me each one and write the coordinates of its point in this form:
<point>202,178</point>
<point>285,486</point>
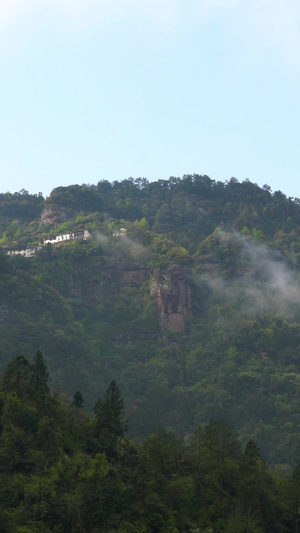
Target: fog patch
<point>101,239</point>
<point>267,283</point>
<point>120,244</point>
<point>136,250</point>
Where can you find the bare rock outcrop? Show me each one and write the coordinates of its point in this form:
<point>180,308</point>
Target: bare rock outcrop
<point>169,288</point>
<point>172,293</point>
<point>56,215</point>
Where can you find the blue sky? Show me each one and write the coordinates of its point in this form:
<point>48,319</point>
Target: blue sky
<point>111,89</point>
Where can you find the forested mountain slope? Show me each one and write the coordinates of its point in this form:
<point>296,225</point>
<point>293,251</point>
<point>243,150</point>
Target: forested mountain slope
<point>63,471</point>
<point>187,294</point>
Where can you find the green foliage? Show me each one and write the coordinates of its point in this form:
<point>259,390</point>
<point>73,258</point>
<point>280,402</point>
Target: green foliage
<point>88,306</point>
<point>53,481</point>
<point>109,422</point>
<point>77,400</point>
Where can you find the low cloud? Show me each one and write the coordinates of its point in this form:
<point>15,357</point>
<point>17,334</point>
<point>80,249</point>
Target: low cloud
<point>281,280</point>
<point>101,239</point>
<point>114,245</point>
<point>136,251</point>
<point>267,283</point>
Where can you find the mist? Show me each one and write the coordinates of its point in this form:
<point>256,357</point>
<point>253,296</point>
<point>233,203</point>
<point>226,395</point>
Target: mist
<point>265,284</point>
<point>122,244</point>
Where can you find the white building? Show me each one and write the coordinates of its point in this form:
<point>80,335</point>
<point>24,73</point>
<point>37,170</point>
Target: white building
<point>30,250</point>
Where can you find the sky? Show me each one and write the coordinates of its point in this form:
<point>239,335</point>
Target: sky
<point>111,89</point>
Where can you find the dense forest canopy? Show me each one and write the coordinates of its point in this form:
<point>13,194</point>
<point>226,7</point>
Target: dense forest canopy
<point>65,471</point>
<point>187,295</point>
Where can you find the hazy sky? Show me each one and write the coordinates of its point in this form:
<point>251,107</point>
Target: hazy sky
<point>108,89</point>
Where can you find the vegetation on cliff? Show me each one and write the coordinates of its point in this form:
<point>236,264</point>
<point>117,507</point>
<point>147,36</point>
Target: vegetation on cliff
<point>194,310</point>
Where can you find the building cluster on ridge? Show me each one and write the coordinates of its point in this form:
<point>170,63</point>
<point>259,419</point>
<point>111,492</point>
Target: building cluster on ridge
<point>84,234</point>
<point>32,248</point>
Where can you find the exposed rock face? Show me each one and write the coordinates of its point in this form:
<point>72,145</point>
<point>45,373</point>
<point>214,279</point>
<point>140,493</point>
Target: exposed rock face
<point>56,214</point>
<point>172,292</point>
<point>170,288</point>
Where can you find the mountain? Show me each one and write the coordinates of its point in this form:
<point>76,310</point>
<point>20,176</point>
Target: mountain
<point>186,294</point>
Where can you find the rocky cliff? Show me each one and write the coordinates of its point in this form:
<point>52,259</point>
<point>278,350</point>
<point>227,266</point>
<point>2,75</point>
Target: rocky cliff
<point>56,214</point>
<point>172,293</point>
<point>170,288</point>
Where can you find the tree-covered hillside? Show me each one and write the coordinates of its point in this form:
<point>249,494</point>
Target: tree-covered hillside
<point>63,471</point>
<point>187,294</point>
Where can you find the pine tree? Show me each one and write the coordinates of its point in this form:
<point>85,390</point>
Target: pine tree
<point>16,377</point>
<point>109,419</point>
<point>77,400</point>
<point>39,377</point>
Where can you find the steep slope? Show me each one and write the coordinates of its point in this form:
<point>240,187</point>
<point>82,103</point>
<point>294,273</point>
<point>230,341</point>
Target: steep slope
<point>187,294</point>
